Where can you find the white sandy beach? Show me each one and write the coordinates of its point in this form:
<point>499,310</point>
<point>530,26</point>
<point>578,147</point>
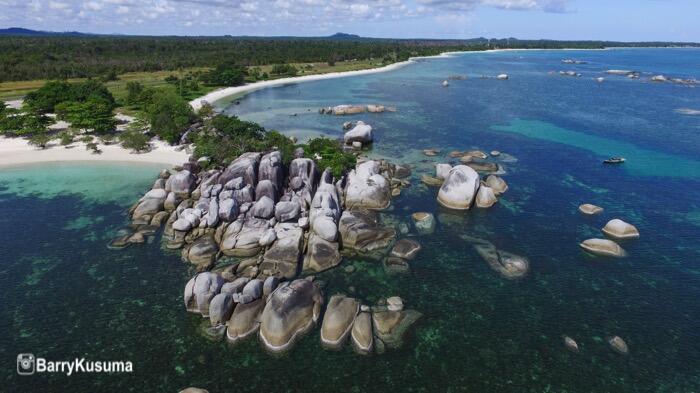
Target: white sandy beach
<point>16,151</point>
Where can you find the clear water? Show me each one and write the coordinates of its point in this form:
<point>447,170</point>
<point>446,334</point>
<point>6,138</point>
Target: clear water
<point>65,295</point>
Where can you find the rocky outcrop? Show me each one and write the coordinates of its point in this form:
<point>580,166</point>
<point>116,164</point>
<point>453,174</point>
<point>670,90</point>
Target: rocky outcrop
<point>619,229</point>
<point>282,258</point>
<point>603,247</point>
<point>360,133</point>
<point>245,167</point>
<point>290,312</point>
<point>338,320</point>
<point>360,230</point>
<point>366,188</point>
<point>459,189</point>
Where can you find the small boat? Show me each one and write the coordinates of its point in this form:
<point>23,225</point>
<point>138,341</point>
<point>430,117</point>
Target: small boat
<point>614,160</point>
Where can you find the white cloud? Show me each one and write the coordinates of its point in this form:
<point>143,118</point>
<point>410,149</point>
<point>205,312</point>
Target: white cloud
<point>57,5</point>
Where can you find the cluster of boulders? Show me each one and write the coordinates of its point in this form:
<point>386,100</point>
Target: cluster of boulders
<point>462,187</point>
<point>271,223</point>
<point>615,229</point>
<point>663,78</point>
<point>616,343</point>
<point>340,110</point>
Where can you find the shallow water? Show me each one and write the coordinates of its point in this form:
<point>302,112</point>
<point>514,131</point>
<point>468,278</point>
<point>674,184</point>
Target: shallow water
<point>65,295</point>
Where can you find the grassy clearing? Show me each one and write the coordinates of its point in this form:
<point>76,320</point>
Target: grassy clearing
<point>17,90</point>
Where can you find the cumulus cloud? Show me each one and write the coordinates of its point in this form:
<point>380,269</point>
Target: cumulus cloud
<point>265,16</point>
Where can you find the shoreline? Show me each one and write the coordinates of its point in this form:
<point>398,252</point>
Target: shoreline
<point>17,152</point>
<point>226,92</point>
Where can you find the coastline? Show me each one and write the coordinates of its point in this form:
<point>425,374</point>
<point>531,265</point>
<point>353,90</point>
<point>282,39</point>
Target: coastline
<point>16,151</point>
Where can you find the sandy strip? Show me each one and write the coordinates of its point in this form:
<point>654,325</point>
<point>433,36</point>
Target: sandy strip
<point>16,151</point>
<point>229,91</point>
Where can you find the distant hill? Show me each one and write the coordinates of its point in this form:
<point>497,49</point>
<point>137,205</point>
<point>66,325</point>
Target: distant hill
<point>37,33</point>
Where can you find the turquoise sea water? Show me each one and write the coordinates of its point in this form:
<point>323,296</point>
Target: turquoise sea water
<point>63,294</point>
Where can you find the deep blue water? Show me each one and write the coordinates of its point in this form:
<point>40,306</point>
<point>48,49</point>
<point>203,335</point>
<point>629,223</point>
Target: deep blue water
<point>64,294</point>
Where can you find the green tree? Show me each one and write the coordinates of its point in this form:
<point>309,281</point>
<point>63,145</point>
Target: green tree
<point>40,140</point>
<point>169,115</point>
<point>66,138</point>
<point>95,114</point>
<point>134,91</point>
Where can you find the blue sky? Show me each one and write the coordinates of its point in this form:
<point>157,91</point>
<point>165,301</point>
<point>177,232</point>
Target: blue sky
<point>627,20</point>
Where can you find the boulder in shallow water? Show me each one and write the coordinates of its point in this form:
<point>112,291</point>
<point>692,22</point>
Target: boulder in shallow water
<point>220,308</point>
<point>589,209</point>
<point>338,319</point>
<point>362,338</point>
<point>282,258</point>
<point>406,249</point>
<point>390,326</point>
<point>603,247</point>
<point>360,133</point>
<point>497,184</point>
<point>485,197</point>
<point>182,182</point>
<point>618,345</point>
<point>253,290</point>
<point>321,254</point>
<point>619,229</point>
<point>431,181</point>
<point>570,344</point>
<point>424,222</point>
<point>202,252</point>
<point>245,320</point>
<point>508,265</point>
<point>199,291</point>
<point>442,171</point>
<point>360,230</point>
<point>290,312</point>
<point>459,189</point>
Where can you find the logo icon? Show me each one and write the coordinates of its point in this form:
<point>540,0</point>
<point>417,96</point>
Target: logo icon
<point>25,364</point>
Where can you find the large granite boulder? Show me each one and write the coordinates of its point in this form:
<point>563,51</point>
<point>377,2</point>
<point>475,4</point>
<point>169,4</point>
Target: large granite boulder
<point>271,169</point>
<point>390,326</point>
<point>366,188</point>
<point>360,133</point>
<point>485,197</point>
<point>263,208</point>
<point>245,194</point>
<point>459,189</point>
<point>244,321</point>
<point>148,207</point>
<point>321,254</point>
<point>182,182</point>
<point>497,184</point>
<point>305,169</point>
<point>242,237</point>
<point>200,290</point>
<point>338,319</point>
<point>282,258</point>
<point>266,188</point>
<point>228,210</point>
<point>287,211</point>
<point>362,337</point>
<point>442,171</point>
<point>361,231</point>
<point>245,166</point>
<point>252,291</point>
<point>290,311</point>
<point>619,229</point>
<point>220,308</point>
<point>202,252</point>
<point>603,247</point>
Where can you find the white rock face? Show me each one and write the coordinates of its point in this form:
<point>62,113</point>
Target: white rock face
<point>485,197</point>
<point>619,229</point>
<point>442,170</point>
<point>366,188</point>
<point>459,189</point>
<point>603,247</point>
<point>360,133</point>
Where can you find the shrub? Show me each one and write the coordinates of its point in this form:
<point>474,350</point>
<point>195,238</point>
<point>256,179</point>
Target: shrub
<point>332,155</point>
<point>134,139</point>
<point>66,138</point>
<point>40,140</point>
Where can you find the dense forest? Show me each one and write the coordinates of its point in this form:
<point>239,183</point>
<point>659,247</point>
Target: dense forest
<point>24,57</point>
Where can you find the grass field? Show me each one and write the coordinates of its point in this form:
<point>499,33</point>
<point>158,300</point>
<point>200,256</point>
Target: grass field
<point>17,90</point>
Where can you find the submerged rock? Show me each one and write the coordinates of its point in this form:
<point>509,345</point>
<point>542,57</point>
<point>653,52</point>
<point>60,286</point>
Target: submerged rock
<point>406,249</point>
<point>603,247</point>
<point>508,265</point>
<point>290,312</point>
<point>619,229</point>
<point>589,209</point>
<point>459,189</point>
<point>424,222</point>
<point>618,345</point>
<point>361,231</point>
<point>338,320</point>
<point>431,181</point>
<point>570,344</point>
